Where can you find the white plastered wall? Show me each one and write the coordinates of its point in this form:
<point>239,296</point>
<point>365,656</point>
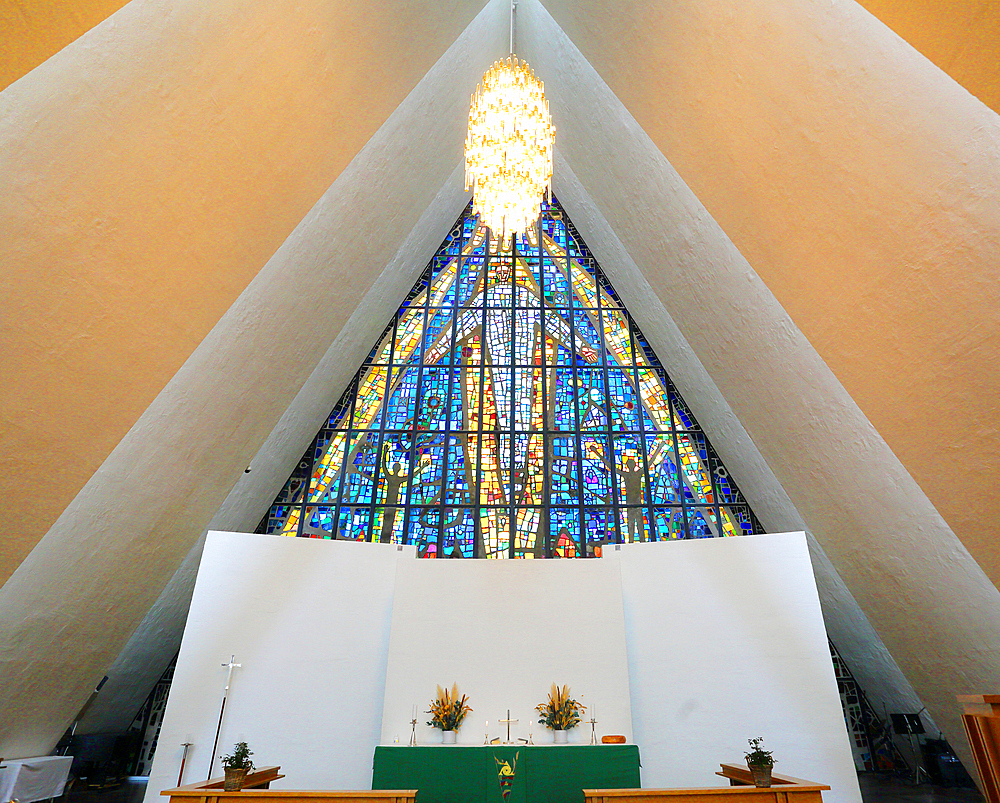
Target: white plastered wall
<point>308,621</point>
<point>505,631</point>
<point>337,643</point>
<point>725,643</point>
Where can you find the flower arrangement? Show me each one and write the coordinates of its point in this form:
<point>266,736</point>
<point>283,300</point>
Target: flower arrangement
<point>240,758</point>
<point>447,710</point>
<point>758,756</point>
<point>561,712</point>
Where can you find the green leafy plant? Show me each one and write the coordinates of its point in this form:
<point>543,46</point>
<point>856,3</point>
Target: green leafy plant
<point>240,759</point>
<point>560,712</point>
<point>758,756</point>
<point>447,710</point>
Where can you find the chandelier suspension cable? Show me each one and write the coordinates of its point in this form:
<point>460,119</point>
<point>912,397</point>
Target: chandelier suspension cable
<point>513,9</point>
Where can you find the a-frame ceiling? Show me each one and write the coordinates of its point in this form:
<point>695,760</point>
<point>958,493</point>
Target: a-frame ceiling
<point>789,198</point>
<point>962,38</point>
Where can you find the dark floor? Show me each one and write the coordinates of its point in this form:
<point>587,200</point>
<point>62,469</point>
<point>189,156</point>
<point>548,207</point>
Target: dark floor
<point>874,789</point>
<point>130,791</point>
<point>888,789</point>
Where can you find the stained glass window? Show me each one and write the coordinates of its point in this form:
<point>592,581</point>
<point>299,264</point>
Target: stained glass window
<point>511,408</point>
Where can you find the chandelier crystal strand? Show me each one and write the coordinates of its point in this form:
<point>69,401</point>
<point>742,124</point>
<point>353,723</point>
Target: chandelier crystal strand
<point>508,151</point>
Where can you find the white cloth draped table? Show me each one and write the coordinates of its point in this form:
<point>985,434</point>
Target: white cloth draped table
<point>29,779</point>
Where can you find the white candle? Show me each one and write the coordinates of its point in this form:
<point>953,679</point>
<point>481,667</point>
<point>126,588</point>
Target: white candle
<point>414,712</point>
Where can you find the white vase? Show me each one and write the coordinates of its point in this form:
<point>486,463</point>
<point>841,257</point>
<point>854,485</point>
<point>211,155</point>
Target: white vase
<point>560,737</point>
<point>448,737</point>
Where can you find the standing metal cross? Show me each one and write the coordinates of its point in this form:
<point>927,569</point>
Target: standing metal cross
<point>231,665</point>
<point>225,692</point>
<point>508,721</point>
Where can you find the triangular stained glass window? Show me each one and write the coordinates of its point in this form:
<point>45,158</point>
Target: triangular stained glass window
<point>511,409</point>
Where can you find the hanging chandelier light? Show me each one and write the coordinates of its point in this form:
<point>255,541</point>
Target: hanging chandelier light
<point>508,151</point>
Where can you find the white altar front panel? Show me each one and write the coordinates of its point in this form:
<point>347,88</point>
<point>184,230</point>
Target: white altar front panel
<point>726,642</point>
<point>505,631</point>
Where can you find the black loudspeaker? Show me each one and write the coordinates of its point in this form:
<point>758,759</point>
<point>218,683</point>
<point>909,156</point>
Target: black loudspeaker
<point>907,724</point>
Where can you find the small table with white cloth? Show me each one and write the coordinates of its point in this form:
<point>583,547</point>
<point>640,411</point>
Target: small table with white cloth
<point>29,779</point>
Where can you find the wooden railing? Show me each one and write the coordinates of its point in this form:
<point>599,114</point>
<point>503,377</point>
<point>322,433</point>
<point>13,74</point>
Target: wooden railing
<point>785,789</point>
<point>981,717</point>
<point>256,790</point>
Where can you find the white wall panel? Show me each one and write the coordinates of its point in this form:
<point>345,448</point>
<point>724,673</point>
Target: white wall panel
<point>309,622</point>
<point>726,642</point>
<point>505,631</point>
<point>700,644</point>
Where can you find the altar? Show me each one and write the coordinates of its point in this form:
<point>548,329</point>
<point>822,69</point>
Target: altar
<point>528,773</point>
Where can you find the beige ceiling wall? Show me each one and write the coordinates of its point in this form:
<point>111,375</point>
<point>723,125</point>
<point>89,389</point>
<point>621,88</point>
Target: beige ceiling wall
<point>862,185</point>
<point>962,37</point>
<point>33,30</point>
<point>921,591</point>
<point>146,174</point>
<point>80,593</point>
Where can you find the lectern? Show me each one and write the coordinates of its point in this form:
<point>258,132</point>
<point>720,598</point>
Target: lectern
<point>981,717</point>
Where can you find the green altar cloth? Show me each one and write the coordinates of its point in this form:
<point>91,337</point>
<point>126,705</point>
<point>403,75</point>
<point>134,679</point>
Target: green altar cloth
<point>530,774</point>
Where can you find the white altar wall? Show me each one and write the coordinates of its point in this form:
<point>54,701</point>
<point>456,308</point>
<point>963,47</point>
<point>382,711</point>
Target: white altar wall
<point>687,648</point>
<point>309,622</point>
<point>505,631</point>
<point>726,642</point>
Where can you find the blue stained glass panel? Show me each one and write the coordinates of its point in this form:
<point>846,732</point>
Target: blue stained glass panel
<point>564,532</point>
<point>702,522</point>
<point>459,529</point>
<point>564,470</point>
<point>668,523</point>
<point>319,521</point>
<point>510,409</point>
<point>401,405</point>
<point>623,399</point>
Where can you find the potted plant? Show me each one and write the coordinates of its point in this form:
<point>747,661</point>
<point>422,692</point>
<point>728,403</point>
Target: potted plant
<point>760,762</point>
<point>560,713</point>
<point>447,712</point>
<point>237,766</point>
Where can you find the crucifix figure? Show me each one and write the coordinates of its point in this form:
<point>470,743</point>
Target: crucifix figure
<point>508,721</point>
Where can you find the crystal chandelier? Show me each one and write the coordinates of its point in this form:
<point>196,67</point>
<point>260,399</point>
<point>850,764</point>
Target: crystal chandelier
<point>508,151</point>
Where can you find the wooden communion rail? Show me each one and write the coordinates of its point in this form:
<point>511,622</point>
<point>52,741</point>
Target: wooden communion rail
<point>785,789</point>
<point>256,790</point>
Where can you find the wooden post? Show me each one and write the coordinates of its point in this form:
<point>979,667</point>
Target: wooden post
<point>981,717</point>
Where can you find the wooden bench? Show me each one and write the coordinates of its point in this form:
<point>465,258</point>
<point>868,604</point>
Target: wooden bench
<point>256,789</point>
<point>785,789</point>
